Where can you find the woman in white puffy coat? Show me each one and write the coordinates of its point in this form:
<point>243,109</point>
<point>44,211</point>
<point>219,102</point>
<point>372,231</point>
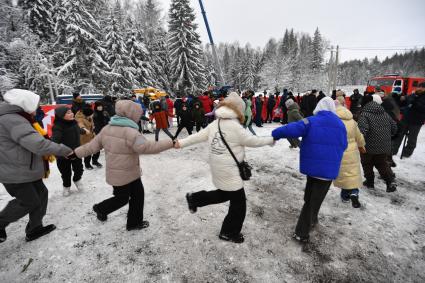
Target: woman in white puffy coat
<point>225,173</point>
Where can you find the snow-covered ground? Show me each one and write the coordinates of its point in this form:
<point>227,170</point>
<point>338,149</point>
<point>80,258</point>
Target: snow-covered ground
<point>384,241</point>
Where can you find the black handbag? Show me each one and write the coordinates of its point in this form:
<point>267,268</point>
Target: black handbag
<point>244,167</point>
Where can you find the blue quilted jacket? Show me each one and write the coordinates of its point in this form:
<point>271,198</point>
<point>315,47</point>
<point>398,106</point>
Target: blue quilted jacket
<point>324,140</point>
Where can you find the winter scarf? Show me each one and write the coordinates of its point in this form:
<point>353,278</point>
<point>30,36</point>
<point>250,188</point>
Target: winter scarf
<point>120,121</point>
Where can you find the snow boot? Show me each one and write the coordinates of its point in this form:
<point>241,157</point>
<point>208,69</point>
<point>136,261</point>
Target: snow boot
<point>101,216</point>
<point>80,186</point>
<point>3,235</point>
<point>369,184</point>
<point>41,231</point>
<point>66,191</point>
<point>140,226</point>
<point>192,207</point>
<point>302,240</point>
<point>97,164</point>
<point>355,201</point>
<point>89,167</point>
<point>238,239</point>
<point>391,187</point>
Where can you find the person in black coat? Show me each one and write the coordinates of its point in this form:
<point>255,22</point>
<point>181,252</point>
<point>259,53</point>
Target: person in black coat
<point>320,96</point>
<point>66,131</point>
<point>77,103</point>
<point>270,105</point>
<point>178,105</point>
<point>108,105</point>
<point>258,111</point>
<point>186,120</point>
<point>413,119</point>
<point>309,103</point>
<point>100,119</point>
<point>356,101</point>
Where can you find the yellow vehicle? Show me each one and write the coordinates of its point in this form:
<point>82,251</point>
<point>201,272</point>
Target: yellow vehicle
<point>151,91</point>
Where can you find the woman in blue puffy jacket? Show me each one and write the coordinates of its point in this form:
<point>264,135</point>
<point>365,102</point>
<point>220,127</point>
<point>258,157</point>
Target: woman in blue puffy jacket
<point>324,140</point>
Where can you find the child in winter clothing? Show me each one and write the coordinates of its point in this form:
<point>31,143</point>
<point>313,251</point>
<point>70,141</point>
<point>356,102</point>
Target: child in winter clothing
<point>123,143</point>
<point>324,140</point>
<point>198,114</point>
<point>294,115</point>
<point>349,177</point>
<point>186,121</point>
<point>84,119</point>
<point>100,120</point>
<point>66,131</point>
<point>160,117</point>
<point>377,128</point>
<point>225,173</point>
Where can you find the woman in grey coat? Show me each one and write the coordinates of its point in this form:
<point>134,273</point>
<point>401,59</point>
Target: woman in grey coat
<point>22,167</point>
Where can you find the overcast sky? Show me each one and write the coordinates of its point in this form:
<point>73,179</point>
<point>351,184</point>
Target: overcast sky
<point>395,24</point>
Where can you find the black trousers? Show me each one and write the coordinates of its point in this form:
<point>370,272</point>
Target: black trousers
<point>66,167</point>
<point>29,198</point>
<point>87,161</point>
<point>269,115</point>
<point>379,161</point>
<point>199,125</point>
<point>181,127</point>
<point>133,193</point>
<point>233,222</point>
<point>95,157</point>
<point>412,132</point>
<point>315,193</point>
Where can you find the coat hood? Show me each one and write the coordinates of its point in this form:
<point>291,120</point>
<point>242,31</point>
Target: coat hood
<point>292,106</point>
<point>373,107</point>
<point>325,104</point>
<point>343,113</point>
<point>225,112</point>
<point>25,99</point>
<point>232,103</point>
<point>129,109</point>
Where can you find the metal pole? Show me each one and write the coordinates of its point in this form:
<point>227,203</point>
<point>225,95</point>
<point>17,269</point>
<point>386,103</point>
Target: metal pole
<point>214,52</point>
<point>330,71</point>
<point>336,67</point>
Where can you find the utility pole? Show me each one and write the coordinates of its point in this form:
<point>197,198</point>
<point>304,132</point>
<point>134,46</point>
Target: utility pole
<point>330,71</point>
<point>214,52</point>
<point>336,67</point>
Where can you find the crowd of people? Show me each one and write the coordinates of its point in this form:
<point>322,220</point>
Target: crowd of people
<point>336,135</point>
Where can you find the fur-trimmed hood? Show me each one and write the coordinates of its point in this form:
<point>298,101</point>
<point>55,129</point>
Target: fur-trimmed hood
<point>227,110</point>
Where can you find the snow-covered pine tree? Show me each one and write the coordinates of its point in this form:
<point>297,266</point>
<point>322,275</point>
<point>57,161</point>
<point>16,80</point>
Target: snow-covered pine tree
<point>84,64</point>
<point>122,67</point>
<point>211,76</point>
<point>185,48</point>
<point>38,15</point>
<point>317,52</point>
<point>139,56</point>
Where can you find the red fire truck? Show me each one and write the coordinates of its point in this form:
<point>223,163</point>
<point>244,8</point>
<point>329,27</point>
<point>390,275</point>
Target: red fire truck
<point>395,83</point>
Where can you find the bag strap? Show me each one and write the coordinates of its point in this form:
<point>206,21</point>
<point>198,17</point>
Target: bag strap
<point>228,147</point>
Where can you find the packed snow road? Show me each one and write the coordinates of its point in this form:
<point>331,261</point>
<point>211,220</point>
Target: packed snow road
<point>383,241</point>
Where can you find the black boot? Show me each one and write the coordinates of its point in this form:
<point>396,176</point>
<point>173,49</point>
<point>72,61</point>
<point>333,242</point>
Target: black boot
<point>238,239</point>
<point>369,184</point>
<point>101,216</point>
<point>391,187</point>
<point>355,201</point>
<point>192,207</point>
<point>97,164</point>
<point>3,235</point>
<point>143,225</point>
<point>39,232</point>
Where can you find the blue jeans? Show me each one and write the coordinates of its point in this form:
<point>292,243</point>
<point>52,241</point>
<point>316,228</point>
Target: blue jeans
<point>345,194</point>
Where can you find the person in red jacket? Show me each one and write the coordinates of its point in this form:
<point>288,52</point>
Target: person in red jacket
<point>207,104</point>
<point>160,116</point>
<point>170,110</point>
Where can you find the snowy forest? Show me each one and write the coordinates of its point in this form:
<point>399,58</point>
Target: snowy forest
<point>114,46</point>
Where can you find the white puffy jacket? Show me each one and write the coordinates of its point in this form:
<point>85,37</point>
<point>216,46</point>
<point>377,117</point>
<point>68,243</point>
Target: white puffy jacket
<point>225,173</point>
